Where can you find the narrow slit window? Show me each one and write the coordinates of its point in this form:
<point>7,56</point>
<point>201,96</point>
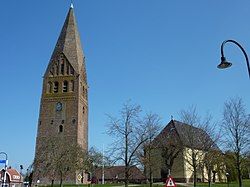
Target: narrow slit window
<point>67,69</point>
<point>57,68</point>
<point>65,86</point>
<point>71,71</point>
<point>56,85</point>
<point>62,67</point>
<point>60,128</point>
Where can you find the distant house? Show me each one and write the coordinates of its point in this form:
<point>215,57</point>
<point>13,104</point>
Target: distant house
<point>172,153</point>
<point>13,178</point>
<point>115,174</point>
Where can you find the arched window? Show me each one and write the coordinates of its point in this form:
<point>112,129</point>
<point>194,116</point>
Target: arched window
<point>62,66</point>
<point>65,86</point>
<point>60,128</point>
<point>56,85</point>
<point>83,110</point>
<point>71,71</point>
<point>49,87</point>
<point>57,67</point>
<point>67,69</point>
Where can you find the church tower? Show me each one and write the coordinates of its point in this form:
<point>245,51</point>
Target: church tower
<point>64,100</point>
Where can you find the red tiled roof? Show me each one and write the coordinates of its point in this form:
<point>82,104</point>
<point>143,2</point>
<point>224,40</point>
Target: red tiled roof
<point>13,174</point>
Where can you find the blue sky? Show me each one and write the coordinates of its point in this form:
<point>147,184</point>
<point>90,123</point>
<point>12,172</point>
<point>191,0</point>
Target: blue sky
<point>161,54</point>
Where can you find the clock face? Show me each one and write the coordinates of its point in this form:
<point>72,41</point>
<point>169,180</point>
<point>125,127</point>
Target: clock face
<point>58,106</point>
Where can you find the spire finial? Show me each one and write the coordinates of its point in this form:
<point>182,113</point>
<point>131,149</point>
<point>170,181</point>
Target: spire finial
<point>71,4</point>
<point>172,118</point>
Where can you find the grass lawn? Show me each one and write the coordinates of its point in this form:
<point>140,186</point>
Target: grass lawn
<point>246,183</point>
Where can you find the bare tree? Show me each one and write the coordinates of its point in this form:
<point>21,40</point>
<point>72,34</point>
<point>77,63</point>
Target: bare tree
<point>129,136</point>
<point>214,163</point>
<point>198,138</point>
<point>61,159</point>
<point>97,160</point>
<point>236,124</point>
<point>146,154</point>
<point>169,153</point>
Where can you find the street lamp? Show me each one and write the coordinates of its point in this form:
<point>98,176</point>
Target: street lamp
<point>225,64</point>
<point>5,167</point>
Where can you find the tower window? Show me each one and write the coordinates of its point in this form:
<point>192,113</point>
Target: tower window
<point>65,86</point>
<point>73,121</point>
<point>67,69</point>
<point>51,122</point>
<point>49,87</point>
<point>56,84</point>
<point>62,121</point>
<point>83,110</point>
<point>62,67</point>
<point>60,128</point>
<point>71,71</point>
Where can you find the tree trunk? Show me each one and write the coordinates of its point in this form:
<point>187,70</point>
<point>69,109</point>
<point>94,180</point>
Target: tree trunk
<point>126,176</point>
<point>195,176</point>
<point>150,177</point>
<point>194,167</point>
<point>52,182</point>
<point>126,155</point>
<point>209,177</point>
<point>150,167</point>
<point>61,180</point>
<point>239,169</point>
<point>239,176</point>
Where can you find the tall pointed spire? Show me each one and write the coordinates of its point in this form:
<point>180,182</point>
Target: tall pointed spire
<point>69,43</point>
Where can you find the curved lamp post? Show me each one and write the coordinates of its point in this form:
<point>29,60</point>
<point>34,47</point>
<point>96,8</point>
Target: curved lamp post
<point>5,168</point>
<point>225,64</point>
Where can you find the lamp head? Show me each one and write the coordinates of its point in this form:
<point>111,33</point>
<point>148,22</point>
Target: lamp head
<point>224,63</point>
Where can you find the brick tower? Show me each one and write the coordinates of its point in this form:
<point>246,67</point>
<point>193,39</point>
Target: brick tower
<point>64,100</point>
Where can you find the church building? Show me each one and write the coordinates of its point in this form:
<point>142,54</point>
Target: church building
<point>64,101</point>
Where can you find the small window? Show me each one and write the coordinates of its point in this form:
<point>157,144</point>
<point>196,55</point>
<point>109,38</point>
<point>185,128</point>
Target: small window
<point>56,84</point>
<point>40,122</point>
<point>83,110</point>
<point>73,121</point>
<point>62,121</point>
<point>65,86</point>
<point>67,69</point>
<point>60,128</point>
<point>71,71</point>
<point>51,122</point>
<point>62,67</point>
